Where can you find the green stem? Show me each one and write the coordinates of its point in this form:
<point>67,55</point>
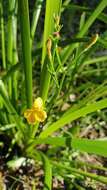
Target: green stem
<point>45,81</point>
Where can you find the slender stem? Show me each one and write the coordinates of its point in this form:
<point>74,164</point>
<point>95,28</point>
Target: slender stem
<point>45,81</point>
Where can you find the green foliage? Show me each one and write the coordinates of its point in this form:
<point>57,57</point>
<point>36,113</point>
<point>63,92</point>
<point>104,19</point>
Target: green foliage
<point>71,80</point>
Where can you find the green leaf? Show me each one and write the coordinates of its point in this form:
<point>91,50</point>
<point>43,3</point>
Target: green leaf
<point>26,49</point>
<point>98,146</point>
<point>48,172</point>
<point>71,116</point>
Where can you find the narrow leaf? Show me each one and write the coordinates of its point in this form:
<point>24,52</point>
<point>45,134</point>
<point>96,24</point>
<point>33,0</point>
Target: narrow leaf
<point>71,116</point>
<point>48,173</point>
<point>26,49</point>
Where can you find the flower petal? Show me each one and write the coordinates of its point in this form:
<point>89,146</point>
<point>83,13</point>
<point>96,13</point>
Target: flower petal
<point>31,118</point>
<point>38,103</point>
<point>27,112</point>
<point>40,115</point>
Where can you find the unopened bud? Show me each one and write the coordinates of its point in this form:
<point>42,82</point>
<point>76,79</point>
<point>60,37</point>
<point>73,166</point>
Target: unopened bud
<point>57,20</point>
<point>49,46</point>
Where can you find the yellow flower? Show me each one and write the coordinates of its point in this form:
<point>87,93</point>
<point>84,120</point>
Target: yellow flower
<point>36,113</point>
